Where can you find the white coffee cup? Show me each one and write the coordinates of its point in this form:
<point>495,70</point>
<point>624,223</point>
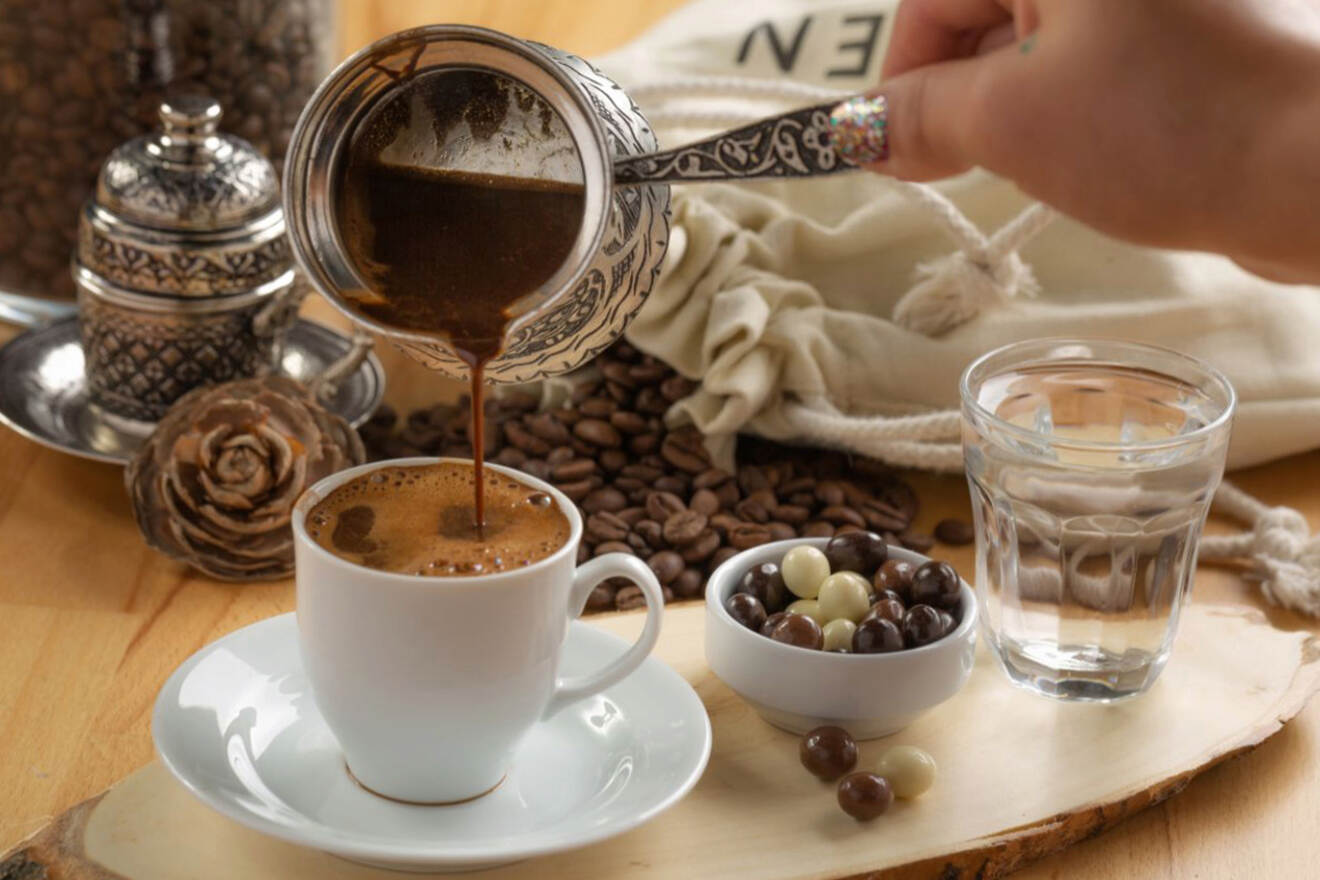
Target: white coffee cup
<point>430,683</point>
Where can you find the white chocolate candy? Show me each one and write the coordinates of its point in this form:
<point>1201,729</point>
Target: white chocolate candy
<point>804,568</point>
<point>838,634</point>
<point>910,770</point>
<point>807,607</point>
<point>844,595</point>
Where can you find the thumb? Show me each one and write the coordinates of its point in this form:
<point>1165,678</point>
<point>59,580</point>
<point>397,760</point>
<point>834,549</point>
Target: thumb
<point>927,123</point>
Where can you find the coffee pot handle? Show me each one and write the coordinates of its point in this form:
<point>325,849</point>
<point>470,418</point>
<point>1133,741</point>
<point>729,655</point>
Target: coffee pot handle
<point>585,579</point>
<point>792,144</point>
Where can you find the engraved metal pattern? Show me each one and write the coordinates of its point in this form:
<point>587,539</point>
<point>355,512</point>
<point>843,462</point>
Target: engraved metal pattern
<point>44,395</point>
<point>138,363</point>
<point>796,144</point>
<point>584,322</point>
<point>220,182</point>
<point>186,211</point>
<point>172,269</point>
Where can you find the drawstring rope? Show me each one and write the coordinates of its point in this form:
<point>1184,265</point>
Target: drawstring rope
<point>983,272</point>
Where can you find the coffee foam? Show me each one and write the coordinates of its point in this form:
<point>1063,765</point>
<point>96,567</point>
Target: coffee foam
<point>418,520</point>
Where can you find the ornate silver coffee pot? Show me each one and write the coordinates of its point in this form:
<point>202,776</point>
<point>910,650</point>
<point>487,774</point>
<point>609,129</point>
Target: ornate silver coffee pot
<point>593,134</point>
<point>183,268</point>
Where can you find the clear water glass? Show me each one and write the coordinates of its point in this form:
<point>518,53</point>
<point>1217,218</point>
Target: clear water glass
<point>1092,464</point>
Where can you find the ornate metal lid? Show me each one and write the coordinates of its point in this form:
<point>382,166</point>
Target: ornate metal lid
<point>185,211</point>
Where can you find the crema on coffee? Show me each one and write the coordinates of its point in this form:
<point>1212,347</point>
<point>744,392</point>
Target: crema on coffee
<point>418,520</point>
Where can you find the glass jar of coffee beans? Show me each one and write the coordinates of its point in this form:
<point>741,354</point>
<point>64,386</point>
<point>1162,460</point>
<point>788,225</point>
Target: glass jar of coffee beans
<point>78,77</point>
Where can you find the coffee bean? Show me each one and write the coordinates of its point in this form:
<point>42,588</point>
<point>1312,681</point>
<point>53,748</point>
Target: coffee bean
<point>618,373</point>
<point>722,523</point>
<point>605,526</point>
<point>525,440</point>
<point>954,532</point>
<point>752,479</point>
<point>918,541</point>
<point>689,584</point>
<point>576,490</point>
<point>612,460</point>
<point>752,511</point>
<point>748,535</point>
<point>643,443</point>
<point>548,428</point>
<point>630,598</point>
<point>704,501</point>
<point>642,472</point>
<point>638,543</point>
<point>631,484</point>
<point>701,547</point>
<point>710,478</point>
<point>791,514</point>
<point>584,392</point>
<point>674,483</point>
<point>842,516</point>
<point>796,485</point>
<point>510,456</point>
<point>560,455</point>
<point>652,532</point>
<point>830,494</point>
<point>685,451</point>
<point>661,505</point>
<point>728,493</point>
<point>583,553</point>
<point>781,531</point>
<point>882,518</point>
<point>632,515</point>
<point>628,422</point>
<point>612,547</point>
<point>617,392</point>
<point>666,564</point>
<point>601,598</point>
<point>598,433</point>
<point>597,408</point>
<point>606,498</point>
<point>540,469</point>
<point>684,527</point>
<point>648,372</point>
<point>650,402</point>
<point>573,470</point>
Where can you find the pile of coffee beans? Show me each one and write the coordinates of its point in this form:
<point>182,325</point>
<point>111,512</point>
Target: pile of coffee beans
<point>850,598</point>
<point>79,77</point>
<point>903,771</point>
<point>654,492</point>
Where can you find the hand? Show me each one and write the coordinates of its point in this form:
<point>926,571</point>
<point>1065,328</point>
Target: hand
<point>1176,123</point>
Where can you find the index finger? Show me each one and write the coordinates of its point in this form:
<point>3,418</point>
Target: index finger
<point>930,31</point>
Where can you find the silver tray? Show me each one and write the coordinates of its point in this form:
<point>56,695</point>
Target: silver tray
<point>43,394</point>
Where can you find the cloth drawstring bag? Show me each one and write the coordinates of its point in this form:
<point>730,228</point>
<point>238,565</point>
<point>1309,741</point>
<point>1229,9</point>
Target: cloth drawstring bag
<point>841,311</point>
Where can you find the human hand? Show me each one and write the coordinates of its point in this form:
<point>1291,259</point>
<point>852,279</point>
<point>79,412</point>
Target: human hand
<point>1178,123</point>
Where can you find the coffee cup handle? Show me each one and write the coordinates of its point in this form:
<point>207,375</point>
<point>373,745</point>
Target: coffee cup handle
<point>585,579</point>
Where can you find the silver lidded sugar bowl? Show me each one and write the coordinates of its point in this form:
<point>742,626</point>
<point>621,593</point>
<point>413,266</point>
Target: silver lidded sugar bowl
<point>183,269</point>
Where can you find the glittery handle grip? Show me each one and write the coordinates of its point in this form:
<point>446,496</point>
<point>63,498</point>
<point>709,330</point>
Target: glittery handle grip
<point>796,144</point>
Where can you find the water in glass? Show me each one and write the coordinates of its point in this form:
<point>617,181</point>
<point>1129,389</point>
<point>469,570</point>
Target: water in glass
<point>1090,485</point>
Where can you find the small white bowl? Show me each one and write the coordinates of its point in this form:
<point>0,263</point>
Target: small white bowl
<point>797,689</point>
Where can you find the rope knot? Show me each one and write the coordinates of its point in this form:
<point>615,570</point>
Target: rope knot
<point>1282,534</point>
<point>953,289</point>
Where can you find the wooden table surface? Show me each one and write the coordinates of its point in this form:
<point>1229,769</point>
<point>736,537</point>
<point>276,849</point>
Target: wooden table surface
<point>91,621</point>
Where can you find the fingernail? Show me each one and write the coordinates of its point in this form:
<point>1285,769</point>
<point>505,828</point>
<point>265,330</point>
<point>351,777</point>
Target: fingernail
<point>859,129</point>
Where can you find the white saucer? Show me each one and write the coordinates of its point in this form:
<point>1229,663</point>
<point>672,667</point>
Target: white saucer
<point>237,726</point>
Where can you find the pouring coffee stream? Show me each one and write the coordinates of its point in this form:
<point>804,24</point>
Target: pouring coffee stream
<point>498,208</point>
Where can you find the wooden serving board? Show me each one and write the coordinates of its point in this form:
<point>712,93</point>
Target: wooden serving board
<point>1020,777</point>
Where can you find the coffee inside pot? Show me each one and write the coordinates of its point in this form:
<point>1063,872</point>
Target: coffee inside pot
<point>459,201</point>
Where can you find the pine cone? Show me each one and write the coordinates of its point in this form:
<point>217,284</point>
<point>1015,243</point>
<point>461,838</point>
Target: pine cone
<point>215,484</point>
